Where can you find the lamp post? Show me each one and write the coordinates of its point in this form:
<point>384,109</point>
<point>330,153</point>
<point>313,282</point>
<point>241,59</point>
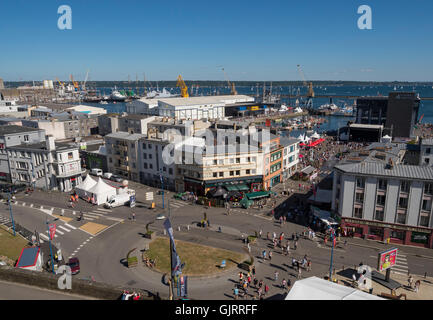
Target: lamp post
<point>332,251</point>
<point>10,212</point>
<point>162,187</point>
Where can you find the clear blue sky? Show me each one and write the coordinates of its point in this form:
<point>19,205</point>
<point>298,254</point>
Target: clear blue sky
<point>253,40</point>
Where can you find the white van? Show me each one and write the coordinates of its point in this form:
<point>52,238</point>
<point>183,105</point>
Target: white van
<point>117,201</point>
<point>96,172</point>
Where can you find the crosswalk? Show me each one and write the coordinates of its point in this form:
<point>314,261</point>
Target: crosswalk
<point>96,214</point>
<point>401,264</point>
<point>178,204</point>
<point>4,220</point>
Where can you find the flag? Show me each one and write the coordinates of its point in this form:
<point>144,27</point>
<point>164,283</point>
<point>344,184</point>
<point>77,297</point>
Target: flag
<point>52,228</point>
<point>175,260</point>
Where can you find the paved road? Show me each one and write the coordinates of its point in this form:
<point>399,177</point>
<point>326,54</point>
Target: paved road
<point>102,256</point>
<point>14,291</point>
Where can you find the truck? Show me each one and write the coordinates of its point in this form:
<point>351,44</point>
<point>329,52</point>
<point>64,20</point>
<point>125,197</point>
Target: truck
<point>117,200</point>
<point>96,172</point>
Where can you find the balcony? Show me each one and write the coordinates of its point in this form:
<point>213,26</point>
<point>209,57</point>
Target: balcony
<point>71,173</point>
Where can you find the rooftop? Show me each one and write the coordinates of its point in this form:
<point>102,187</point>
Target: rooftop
<point>225,99</point>
<point>15,129</point>
<point>383,170</point>
<point>43,146</point>
<point>366,126</point>
<point>286,141</point>
<point>126,136</point>
<point>427,142</point>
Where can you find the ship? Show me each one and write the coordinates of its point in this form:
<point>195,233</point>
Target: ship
<point>117,96</point>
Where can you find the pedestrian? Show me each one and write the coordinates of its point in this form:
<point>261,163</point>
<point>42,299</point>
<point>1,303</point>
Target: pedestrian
<point>309,265</point>
<point>274,235</point>
<point>249,247</point>
<point>276,276</point>
<point>299,272</point>
<point>417,285</point>
<point>260,233</point>
<point>266,289</point>
<point>267,236</point>
<point>270,255</point>
<point>287,250</point>
<point>236,292</point>
<point>259,292</point>
<point>133,216</point>
<point>410,281</point>
<point>253,270</point>
<point>249,280</point>
<point>296,244</point>
<point>241,276</point>
<point>283,284</point>
<point>256,282</point>
<point>264,254</point>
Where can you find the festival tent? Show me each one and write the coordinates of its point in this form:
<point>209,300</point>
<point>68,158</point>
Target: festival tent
<point>315,143</point>
<point>315,135</point>
<point>83,188</point>
<point>298,110</point>
<point>314,288</point>
<point>102,192</point>
<point>386,139</point>
<point>301,137</point>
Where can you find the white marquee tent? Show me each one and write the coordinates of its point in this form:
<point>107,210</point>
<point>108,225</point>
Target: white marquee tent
<point>83,188</point>
<point>102,192</point>
<point>314,288</point>
<point>315,135</point>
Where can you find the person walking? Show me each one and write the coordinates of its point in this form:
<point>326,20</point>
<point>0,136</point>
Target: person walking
<point>236,292</point>
<point>410,281</point>
<point>264,254</point>
<point>266,289</point>
<point>268,236</point>
<point>299,272</point>
<point>309,265</point>
<point>296,244</point>
<point>276,276</point>
<point>241,277</point>
<point>260,233</point>
<point>253,270</point>
<point>417,285</point>
<point>270,255</point>
<point>283,284</point>
<point>287,250</point>
<point>133,216</point>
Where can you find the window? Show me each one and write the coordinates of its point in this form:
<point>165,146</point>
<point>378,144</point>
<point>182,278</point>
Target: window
<point>232,160</point>
<point>221,174</point>
<point>215,162</point>
<point>26,138</point>
<point>149,146</point>
<point>378,215</point>
<point>401,218</point>
<point>428,188</point>
<point>110,160</point>
<point>402,202</point>
<point>357,212</point>
<point>215,174</point>
<point>359,197</point>
<point>150,166</point>
<point>221,161</point>
<point>253,171</point>
<point>424,220</point>
<point>238,160</point>
<point>144,146</point>
<point>150,156</point>
<point>70,156</point>
<point>427,151</point>
<point>397,234</point>
<point>426,205</point>
<point>382,184</point>
<point>238,172</point>
<point>170,170</point>
<point>164,169</point>
<point>381,200</point>
<point>292,148</point>
<point>145,165</point>
<point>144,156</point>
<point>253,159</point>
<point>360,182</point>
<point>404,186</point>
<point>249,159</point>
<point>427,160</point>
<point>247,171</point>
<point>232,173</point>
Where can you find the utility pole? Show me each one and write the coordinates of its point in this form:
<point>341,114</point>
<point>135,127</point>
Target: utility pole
<point>51,250</point>
<point>10,212</point>
<point>332,252</point>
<point>162,187</point>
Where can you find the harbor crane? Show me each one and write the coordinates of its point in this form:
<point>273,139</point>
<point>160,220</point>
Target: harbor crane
<point>83,85</point>
<point>61,84</point>
<point>231,84</point>
<point>183,88</point>
<point>310,93</point>
<point>74,83</point>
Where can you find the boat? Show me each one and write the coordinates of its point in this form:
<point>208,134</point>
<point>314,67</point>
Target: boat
<point>328,106</point>
<point>103,102</point>
<point>117,96</point>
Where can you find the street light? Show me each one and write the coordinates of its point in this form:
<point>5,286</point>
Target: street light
<point>332,251</point>
<point>162,186</point>
<point>10,212</point>
<point>49,239</point>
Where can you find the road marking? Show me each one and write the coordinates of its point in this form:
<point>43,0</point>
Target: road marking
<point>63,228</point>
<point>68,225</point>
<point>401,262</point>
<point>73,212</point>
<point>91,215</point>
<point>114,219</point>
<point>23,204</point>
<point>103,210</point>
<point>403,273</point>
<point>97,214</point>
<point>55,236</point>
<point>52,208</point>
<point>81,245</point>
<point>43,236</point>
<point>58,231</point>
<point>31,205</point>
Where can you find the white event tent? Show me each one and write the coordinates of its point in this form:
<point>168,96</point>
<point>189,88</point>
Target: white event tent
<point>83,188</point>
<point>102,192</point>
<point>314,288</point>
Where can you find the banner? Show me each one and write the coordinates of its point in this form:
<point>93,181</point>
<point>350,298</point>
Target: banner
<point>175,260</point>
<point>183,286</point>
<point>52,228</point>
<point>387,259</point>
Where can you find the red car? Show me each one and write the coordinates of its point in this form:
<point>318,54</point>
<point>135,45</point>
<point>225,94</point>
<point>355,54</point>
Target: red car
<point>74,264</point>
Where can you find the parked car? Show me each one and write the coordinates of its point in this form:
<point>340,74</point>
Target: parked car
<point>116,178</point>
<point>96,172</point>
<point>107,175</point>
<point>74,264</point>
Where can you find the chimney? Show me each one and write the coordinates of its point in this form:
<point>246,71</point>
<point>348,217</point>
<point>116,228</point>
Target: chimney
<point>50,143</point>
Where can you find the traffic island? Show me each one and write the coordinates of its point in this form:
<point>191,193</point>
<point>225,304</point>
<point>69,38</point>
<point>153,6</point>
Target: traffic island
<point>10,245</point>
<point>199,260</point>
<point>93,228</point>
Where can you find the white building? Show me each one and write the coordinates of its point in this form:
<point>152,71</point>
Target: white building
<point>290,156</point>
<point>426,152</point>
<point>381,201</point>
<point>88,109</point>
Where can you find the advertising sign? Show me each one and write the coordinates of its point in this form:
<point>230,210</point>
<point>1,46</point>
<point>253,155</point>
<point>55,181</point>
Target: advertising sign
<point>132,201</point>
<point>387,259</point>
<point>52,228</point>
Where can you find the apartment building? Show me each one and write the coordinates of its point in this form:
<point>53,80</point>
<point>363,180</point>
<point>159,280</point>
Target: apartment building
<point>385,200</point>
<point>132,123</point>
<point>122,154</point>
<point>45,165</point>
<point>13,135</point>
<point>290,156</point>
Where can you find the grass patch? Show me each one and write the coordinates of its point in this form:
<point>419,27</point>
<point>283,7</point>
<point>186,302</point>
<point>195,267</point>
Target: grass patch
<point>11,246</point>
<point>198,259</point>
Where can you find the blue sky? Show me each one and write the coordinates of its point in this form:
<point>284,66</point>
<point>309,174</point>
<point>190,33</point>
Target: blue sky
<point>253,40</point>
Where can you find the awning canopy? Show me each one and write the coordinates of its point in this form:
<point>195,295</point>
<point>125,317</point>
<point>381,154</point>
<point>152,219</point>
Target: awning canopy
<point>243,187</point>
<point>257,195</point>
<point>231,187</point>
<point>308,170</point>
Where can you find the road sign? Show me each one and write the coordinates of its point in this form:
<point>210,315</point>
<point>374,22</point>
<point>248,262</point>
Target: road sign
<point>52,228</point>
<point>149,196</point>
<point>132,201</point>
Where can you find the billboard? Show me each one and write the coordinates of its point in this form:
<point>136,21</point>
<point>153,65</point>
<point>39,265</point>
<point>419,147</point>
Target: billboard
<point>387,259</point>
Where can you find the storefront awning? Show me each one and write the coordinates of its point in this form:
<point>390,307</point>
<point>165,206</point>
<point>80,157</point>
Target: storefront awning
<point>231,188</point>
<point>243,187</point>
<point>257,195</point>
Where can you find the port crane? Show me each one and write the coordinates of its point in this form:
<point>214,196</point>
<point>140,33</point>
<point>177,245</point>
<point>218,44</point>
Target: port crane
<point>61,84</point>
<point>310,92</point>
<point>74,83</point>
<point>183,88</point>
<point>231,84</point>
<point>83,84</point>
